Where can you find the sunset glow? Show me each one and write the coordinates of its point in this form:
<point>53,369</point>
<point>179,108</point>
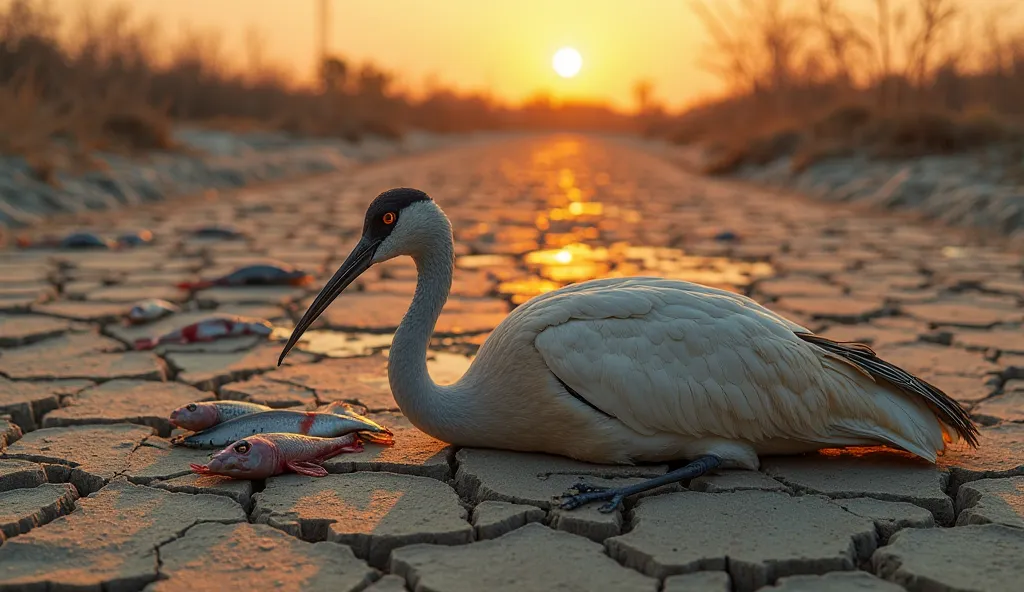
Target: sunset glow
<point>464,44</point>
<point>567,62</point>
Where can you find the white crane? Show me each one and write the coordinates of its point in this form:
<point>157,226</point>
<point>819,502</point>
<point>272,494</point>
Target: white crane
<point>625,370</point>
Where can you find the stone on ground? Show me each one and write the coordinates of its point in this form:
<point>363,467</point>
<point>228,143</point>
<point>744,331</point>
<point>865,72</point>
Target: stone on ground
<point>373,512</point>
<point>388,583</point>
<point>17,330</point>
<point>537,479</point>
<point>143,402</point>
<point>157,459</point>
<point>701,581</point>
<point>17,474</point>
<point>492,519</point>
<point>839,581</point>
<point>413,453</point>
<point>1000,501</point>
<point>985,558</point>
<point>1000,453</point>
<point>735,480</point>
<point>533,557</point>
<point>757,536</point>
<point>239,490</point>
<point>885,475</point>
<point>110,540</point>
<point>361,380</point>
<point>23,509</point>
<point>87,456</point>
<point>889,517</point>
<point>10,432</point>
<point>209,370</point>
<point>263,391</point>
<point>26,402</point>
<point>246,556</point>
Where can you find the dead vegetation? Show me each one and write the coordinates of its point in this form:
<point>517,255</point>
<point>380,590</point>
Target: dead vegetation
<point>814,80</point>
<point>71,85</point>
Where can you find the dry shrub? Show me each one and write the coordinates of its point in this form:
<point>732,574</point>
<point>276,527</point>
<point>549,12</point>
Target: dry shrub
<point>140,130</point>
<point>886,79</point>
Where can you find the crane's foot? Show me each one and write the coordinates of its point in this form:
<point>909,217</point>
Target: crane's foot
<point>591,493</point>
<point>581,493</point>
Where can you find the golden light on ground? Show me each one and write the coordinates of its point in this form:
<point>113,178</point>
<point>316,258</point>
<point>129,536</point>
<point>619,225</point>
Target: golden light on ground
<point>567,62</point>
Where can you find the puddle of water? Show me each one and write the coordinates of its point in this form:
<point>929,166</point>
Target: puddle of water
<point>336,344</point>
<point>522,290</point>
<point>576,262</point>
<point>446,368</point>
<point>484,261</point>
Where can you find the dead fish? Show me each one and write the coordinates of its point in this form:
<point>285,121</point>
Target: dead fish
<point>262,274</point>
<point>203,414</point>
<point>285,421</point>
<point>218,231</point>
<point>266,455</point>
<point>134,239</point>
<point>75,240</point>
<point>210,329</point>
<point>150,310</point>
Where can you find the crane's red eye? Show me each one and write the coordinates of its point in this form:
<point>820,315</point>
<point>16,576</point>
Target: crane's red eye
<point>389,218</point>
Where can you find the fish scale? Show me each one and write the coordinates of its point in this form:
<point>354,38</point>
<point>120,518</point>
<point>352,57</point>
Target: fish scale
<point>323,425</point>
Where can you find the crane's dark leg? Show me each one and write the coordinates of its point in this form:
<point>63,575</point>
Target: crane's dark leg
<point>592,493</point>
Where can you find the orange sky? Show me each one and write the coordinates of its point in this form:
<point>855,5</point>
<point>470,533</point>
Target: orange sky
<point>505,45</point>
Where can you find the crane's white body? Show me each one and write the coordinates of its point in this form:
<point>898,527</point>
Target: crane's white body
<point>680,370</point>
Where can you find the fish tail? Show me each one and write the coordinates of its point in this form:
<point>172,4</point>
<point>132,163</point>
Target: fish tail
<point>200,285</point>
<point>146,343</point>
<point>383,438</point>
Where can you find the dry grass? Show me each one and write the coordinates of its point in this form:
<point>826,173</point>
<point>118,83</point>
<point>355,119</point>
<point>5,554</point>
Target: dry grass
<point>114,83</point>
<point>817,80</point>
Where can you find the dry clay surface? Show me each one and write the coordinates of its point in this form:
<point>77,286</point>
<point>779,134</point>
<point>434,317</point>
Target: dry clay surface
<point>93,496</point>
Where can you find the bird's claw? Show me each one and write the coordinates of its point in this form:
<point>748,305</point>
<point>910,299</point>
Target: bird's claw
<point>584,494</point>
<point>582,487</point>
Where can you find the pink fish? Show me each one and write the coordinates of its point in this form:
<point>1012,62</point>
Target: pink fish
<point>266,455</point>
<point>203,414</point>
<point>210,329</point>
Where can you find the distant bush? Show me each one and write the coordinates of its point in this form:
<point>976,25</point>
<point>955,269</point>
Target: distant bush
<point>112,83</point>
<point>816,80</point>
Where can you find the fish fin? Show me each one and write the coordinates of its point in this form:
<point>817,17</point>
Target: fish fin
<point>201,469</point>
<point>146,343</point>
<point>307,468</point>
<point>383,438</point>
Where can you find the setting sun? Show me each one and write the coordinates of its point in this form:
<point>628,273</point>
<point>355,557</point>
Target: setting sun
<point>567,62</point>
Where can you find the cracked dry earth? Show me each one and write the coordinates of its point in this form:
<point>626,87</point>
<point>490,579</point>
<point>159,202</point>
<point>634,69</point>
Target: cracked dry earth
<point>93,497</point>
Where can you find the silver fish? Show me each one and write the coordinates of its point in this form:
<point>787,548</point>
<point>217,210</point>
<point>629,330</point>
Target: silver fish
<point>146,311</point>
<point>204,414</point>
<point>307,423</point>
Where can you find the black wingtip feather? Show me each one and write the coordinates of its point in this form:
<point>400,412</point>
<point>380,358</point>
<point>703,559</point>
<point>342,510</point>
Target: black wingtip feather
<point>864,358</point>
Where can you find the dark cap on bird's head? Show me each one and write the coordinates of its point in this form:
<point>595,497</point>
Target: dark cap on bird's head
<point>392,201</point>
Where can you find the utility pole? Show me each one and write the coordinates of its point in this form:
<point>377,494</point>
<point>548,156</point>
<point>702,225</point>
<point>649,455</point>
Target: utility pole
<point>323,16</point>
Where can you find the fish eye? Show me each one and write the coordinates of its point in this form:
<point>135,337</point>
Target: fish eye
<point>191,406</point>
<point>242,447</point>
<point>389,218</point>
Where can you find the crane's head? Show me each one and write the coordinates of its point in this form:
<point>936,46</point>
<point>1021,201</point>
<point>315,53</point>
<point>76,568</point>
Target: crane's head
<point>398,222</point>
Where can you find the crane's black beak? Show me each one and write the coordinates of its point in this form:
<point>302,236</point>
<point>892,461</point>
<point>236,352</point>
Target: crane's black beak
<point>358,261</point>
